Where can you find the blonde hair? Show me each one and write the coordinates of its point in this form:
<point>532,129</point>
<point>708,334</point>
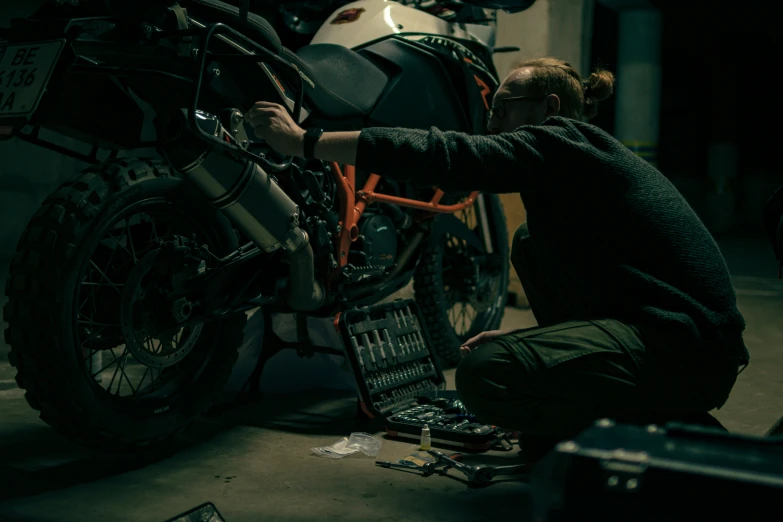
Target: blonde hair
<point>578,98</point>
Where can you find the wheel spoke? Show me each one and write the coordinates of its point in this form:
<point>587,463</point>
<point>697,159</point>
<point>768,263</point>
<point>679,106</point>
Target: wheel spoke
<point>133,390</point>
<point>105,276</point>
<point>123,247</point>
<point>114,376</point>
<point>93,323</point>
<point>109,262</point>
<point>90,294</point>
<point>112,362</point>
<point>129,248</point>
<point>462,315</point>
<point>154,232</point>
<point>130,241</point>
<point>93,335</point>
<point>146,371</point>
<point>470,316</point>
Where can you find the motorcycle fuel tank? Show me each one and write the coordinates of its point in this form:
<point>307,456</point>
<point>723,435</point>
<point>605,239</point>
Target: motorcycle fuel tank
<point>359,23</point>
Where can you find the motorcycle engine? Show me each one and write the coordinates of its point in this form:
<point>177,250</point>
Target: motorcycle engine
<point>377,243</point>
<point>375,250</point>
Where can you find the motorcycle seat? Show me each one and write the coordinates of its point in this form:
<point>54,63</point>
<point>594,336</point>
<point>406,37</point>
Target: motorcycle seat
<point>257,29</point>
<point>347,85</point>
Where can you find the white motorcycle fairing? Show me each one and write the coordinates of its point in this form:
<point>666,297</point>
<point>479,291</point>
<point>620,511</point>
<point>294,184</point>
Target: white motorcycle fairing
<point>364,21</point>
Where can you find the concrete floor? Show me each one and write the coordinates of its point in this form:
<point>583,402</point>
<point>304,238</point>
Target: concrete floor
<point>255,463</point>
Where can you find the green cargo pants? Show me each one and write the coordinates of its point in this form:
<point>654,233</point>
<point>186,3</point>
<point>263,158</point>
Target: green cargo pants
<point>554,380</point>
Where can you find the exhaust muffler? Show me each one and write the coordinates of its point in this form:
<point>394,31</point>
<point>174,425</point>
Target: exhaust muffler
<point>248,196</point>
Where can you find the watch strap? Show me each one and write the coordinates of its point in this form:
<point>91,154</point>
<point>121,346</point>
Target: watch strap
<point>311,137</point>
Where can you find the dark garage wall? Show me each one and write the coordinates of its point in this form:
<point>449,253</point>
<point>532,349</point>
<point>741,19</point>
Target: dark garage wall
<point>27,174</point>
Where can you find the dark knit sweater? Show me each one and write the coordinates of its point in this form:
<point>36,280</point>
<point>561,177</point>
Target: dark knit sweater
<point>610,216</point>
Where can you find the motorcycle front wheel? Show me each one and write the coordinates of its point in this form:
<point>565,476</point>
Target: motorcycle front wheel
<point>462,291</point>
<point>84,333</point>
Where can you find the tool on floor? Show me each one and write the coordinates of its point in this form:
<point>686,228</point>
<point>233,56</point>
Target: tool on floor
<point>430,468</point>
<point>420,461</point>
<point>206,511</point>
<point>479,475</point>
<point>400,380</point>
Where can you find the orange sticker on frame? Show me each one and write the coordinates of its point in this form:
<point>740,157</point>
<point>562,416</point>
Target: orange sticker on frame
<point>348,16</point>
<point>485,90</point>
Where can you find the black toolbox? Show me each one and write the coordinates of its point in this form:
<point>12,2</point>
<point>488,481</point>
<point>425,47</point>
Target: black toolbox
<point>400,380</point>
<point>615,472</point>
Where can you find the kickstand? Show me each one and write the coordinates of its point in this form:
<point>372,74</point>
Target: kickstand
<point>272,346</point>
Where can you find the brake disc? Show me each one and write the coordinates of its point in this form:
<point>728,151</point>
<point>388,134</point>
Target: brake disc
<point>139,327</point>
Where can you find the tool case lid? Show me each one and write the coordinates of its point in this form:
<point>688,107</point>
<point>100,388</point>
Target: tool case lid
<point>399,366</point>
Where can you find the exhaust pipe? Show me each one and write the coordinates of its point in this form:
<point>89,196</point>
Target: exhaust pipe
<point>303,292</point>
<point>245,193</point>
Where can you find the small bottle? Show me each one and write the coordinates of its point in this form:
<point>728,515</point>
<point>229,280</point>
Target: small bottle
<point>426,441</point>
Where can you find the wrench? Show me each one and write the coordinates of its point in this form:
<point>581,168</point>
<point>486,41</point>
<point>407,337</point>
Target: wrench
<point>480,475</point>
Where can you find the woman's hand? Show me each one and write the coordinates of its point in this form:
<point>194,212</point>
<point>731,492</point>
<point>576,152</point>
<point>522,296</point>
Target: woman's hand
<point>483,338</point>
<point>273,123</point>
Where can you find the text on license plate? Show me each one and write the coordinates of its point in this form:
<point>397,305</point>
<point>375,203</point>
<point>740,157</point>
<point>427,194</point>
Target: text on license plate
<point>24,73</point>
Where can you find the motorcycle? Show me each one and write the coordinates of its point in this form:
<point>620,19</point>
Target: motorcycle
<point>141,268</point>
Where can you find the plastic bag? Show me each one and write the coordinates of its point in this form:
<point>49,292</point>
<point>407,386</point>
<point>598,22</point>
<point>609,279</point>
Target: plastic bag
<point>356,442</point>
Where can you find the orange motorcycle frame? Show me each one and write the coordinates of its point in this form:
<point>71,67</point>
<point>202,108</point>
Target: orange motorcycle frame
<point>353,202</point>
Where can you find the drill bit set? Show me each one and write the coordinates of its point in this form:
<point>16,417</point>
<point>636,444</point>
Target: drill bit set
<point>400,379</point>
<point>393,356</point>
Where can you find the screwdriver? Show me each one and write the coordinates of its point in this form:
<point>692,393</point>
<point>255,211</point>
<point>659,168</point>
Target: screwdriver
<point>389,342</point>
<point>358,351</point>
<point>368,346</point>
<point>379,344</point>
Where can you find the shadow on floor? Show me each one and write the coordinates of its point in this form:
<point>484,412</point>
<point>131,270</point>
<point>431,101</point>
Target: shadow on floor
<point>321,412</point>
<point>37,459</point>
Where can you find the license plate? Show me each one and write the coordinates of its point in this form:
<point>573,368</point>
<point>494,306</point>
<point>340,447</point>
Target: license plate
<point>24,72</point>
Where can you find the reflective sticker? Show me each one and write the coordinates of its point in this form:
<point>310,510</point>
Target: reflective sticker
<point>485,90</point>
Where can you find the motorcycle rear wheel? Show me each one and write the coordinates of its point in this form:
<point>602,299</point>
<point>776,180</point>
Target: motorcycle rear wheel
<point>64,253</point>
<point>453,312</point>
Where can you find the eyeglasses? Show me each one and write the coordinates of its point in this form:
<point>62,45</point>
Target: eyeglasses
<point>499,108</point>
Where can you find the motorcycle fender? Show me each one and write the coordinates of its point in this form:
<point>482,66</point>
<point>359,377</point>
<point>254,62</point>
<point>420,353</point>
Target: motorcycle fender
<point>455,227</point>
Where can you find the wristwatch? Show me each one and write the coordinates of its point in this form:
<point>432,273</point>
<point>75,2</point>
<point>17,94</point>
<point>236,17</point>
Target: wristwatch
<point>311,137</point>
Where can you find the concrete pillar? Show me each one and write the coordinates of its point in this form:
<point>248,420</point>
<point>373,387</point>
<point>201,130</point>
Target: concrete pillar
<point>558,28</point>
<point>638,72</point>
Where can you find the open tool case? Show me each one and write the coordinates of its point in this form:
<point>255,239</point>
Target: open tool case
<point>400,380</point>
